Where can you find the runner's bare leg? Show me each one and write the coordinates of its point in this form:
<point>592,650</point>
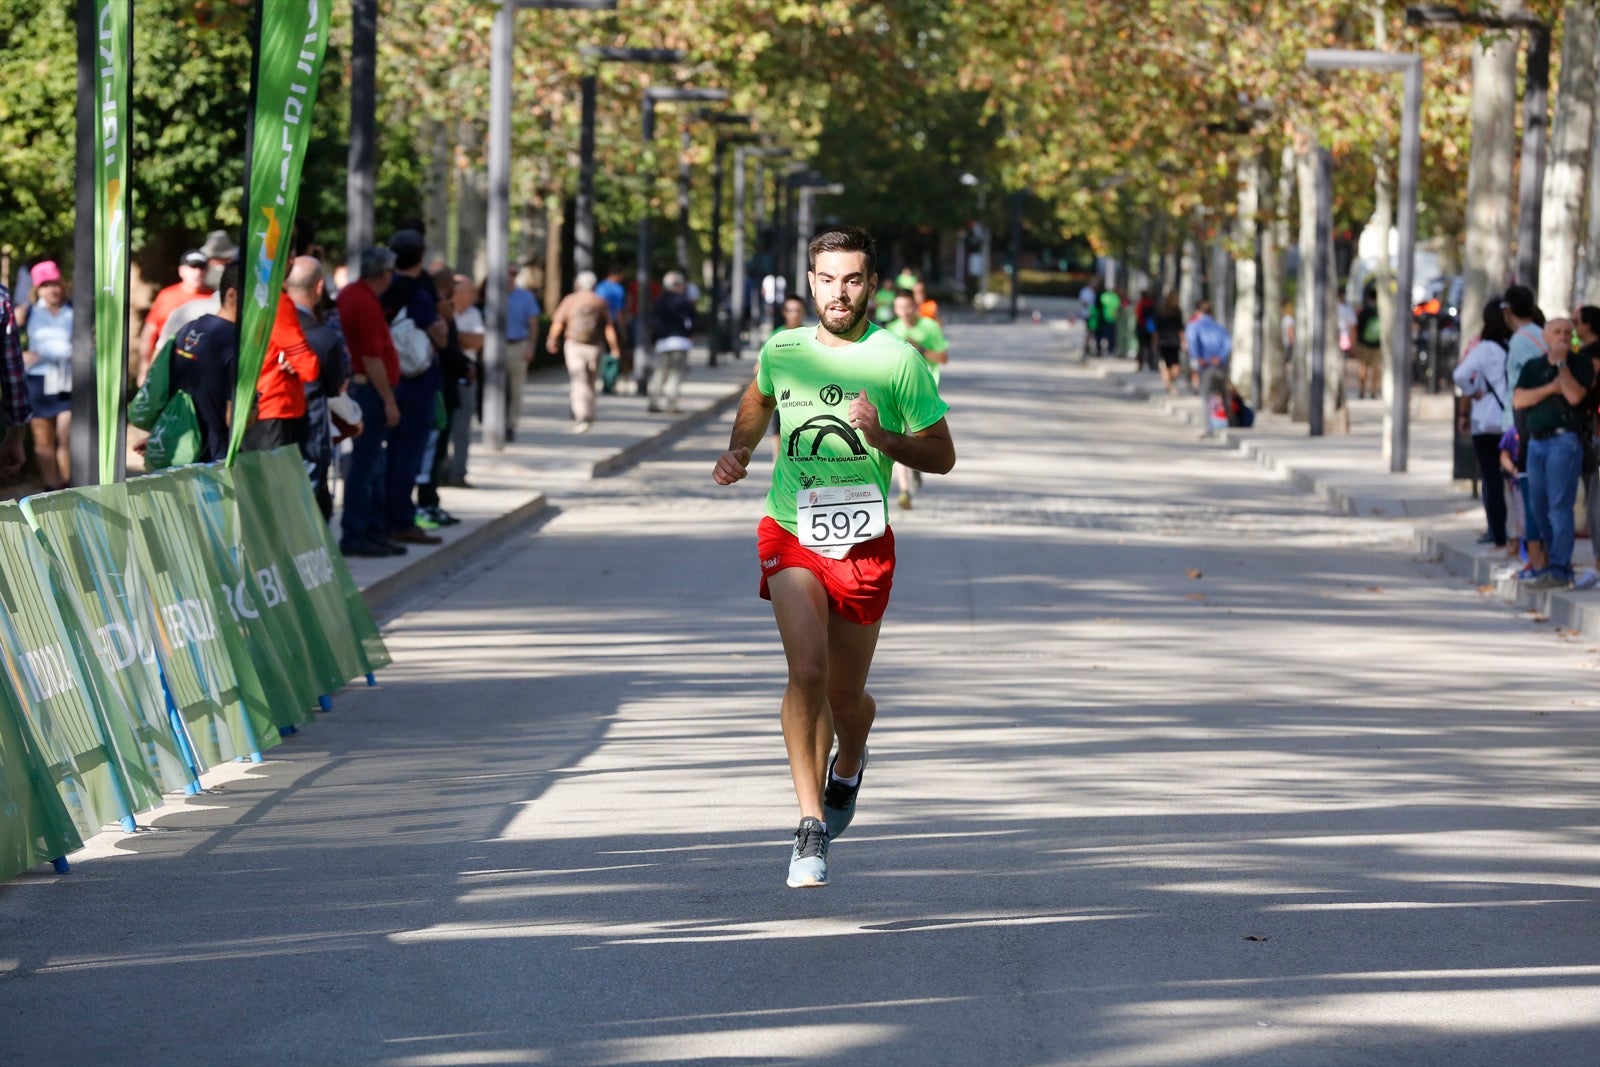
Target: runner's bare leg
<point>850,650</point>
<point>801,607</point>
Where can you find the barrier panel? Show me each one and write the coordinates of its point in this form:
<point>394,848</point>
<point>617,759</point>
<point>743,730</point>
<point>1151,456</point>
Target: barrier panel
<point>155,628</point>
<point>143,592</point>
<point>275,636</point>
<point>35,826</point>
<point>282,527</point>
<point>103,732</point>
<point>178,556</point>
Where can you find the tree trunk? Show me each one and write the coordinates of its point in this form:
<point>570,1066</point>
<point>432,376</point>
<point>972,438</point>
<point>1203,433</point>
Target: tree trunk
<point>1569,158</point>
<point>1591,254</point>
<point>1189,275</point>
<point>553,284</point>
<point>1305,170</point>
<point>1275,264</point>
<point>436,190</point>
<point>1245,356</point>
<point>1383,220</point>
<point>1383,223</point>
<point>1491,195</point>
<point>1219,280</point>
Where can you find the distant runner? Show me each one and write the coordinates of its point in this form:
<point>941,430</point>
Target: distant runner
<point>855,400</point>
<point>922,333</point>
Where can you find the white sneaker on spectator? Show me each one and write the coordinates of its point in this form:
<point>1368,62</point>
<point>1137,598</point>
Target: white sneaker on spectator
<point>1588,579</point>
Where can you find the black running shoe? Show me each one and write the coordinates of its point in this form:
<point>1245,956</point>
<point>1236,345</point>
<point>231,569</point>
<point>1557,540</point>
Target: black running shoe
<point>839,800</point>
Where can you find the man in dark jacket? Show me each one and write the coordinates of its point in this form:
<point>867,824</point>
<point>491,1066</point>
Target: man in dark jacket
<point>306,287</point>
<point>672,327</point>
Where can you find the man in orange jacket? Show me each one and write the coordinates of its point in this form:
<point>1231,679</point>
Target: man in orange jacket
<point>280,388</point>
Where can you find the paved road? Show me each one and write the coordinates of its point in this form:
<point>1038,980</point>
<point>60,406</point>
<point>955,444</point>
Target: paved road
<point>1315,804</point>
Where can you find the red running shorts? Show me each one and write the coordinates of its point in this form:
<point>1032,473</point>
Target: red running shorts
<point>857,586</point>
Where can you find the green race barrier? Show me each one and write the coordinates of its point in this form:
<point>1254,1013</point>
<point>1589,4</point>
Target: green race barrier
<point>34,824</point>
<point>141,593</point>
<point>184,568</point>
<point>106,755</point>
<point>281,525</point>
<point>272,638</point>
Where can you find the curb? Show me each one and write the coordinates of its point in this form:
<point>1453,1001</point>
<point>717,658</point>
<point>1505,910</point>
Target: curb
<point>387,596</point>
<point>1564,608</point>
<point>1334,496</point>
<point>674,432</point>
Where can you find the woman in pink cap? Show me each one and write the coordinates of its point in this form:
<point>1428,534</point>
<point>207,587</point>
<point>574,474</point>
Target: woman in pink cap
<point>48,356</point>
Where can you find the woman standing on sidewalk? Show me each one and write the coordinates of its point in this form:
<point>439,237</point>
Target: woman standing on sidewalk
<point>1481,376</point>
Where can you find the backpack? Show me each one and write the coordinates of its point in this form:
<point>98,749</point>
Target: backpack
<point>1372,331</point>
<point>412,344</point>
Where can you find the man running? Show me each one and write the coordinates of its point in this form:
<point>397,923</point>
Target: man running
<point>855,400</point>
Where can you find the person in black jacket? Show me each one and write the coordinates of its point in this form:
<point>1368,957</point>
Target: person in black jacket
<point>306,288</point>
<point>455,367</point>
<point>672,320</point>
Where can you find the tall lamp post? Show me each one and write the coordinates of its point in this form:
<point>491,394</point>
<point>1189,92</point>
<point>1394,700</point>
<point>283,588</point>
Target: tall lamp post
<point>1535,118</point>
<point>719,306</point>
<point>583,220</point>
<point>740,283</point>
<point>653,96</point>
<point>499,213</point>
<point>1397,373</point>
<point>807,186</point>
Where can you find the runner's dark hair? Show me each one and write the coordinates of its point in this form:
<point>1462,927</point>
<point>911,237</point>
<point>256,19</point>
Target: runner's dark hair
<point>843,239</point>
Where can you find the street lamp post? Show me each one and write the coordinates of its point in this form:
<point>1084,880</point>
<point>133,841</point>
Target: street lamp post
<point>722,142</point>
<point>1397,373</point>
<point>740,282</point>
<point>583,216</point>
<point>1535,118</point>
<point>499,208</point>
<point>653,96</point>
<point>807,191</point>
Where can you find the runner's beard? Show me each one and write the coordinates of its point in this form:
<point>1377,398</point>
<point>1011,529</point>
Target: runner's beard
<point>842,323</point>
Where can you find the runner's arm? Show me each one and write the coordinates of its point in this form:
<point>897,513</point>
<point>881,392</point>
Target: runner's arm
<point>749,426</point>
<point>931,450</point>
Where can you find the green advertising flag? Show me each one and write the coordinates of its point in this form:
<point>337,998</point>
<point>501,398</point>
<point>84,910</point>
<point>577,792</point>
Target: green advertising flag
<point>113,134</point>
<point>292,41</point>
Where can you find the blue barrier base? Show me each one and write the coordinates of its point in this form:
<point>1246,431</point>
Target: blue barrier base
<point>288,731</point>
<point>371,681</point>
<point>325,702</point>
<point>61,865</point>
<point>128,825</point>
<point>192,789</point>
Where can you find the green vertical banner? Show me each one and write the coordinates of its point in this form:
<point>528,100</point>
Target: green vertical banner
<point>290,45</point>
<point>113,136</point>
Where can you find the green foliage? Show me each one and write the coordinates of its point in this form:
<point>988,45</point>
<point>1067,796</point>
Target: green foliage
<point>37,132</point>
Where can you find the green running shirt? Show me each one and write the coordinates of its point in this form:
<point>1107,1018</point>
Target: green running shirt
<point>813,385</point>
<point>925,333</point>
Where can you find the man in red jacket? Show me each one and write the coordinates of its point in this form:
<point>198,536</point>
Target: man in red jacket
<point>281,386</point>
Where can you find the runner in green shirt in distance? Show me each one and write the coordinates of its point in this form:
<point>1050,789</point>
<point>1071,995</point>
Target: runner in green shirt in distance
<point>927,337</point>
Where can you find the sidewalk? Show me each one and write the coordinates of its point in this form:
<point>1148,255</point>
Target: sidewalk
<point>1349,473</point>
<point>509,488</point>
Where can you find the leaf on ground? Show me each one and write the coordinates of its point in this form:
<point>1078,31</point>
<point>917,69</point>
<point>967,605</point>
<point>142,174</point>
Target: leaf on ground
<point>1374,588</point>
<point>1256,937</point>
<point>1194,596</point>
<point>1534,616</point>
<point>1195,573</point>
<point>1485,588</point>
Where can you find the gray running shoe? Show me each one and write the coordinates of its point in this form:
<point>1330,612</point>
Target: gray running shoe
<point>839,800</point>
<point>808,867</point>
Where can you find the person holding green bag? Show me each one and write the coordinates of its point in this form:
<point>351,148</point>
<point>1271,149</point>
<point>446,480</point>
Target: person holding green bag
<point>186,401</point>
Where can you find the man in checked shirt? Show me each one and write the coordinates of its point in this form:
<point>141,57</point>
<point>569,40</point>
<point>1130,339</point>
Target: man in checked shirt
<point>14,409</point>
